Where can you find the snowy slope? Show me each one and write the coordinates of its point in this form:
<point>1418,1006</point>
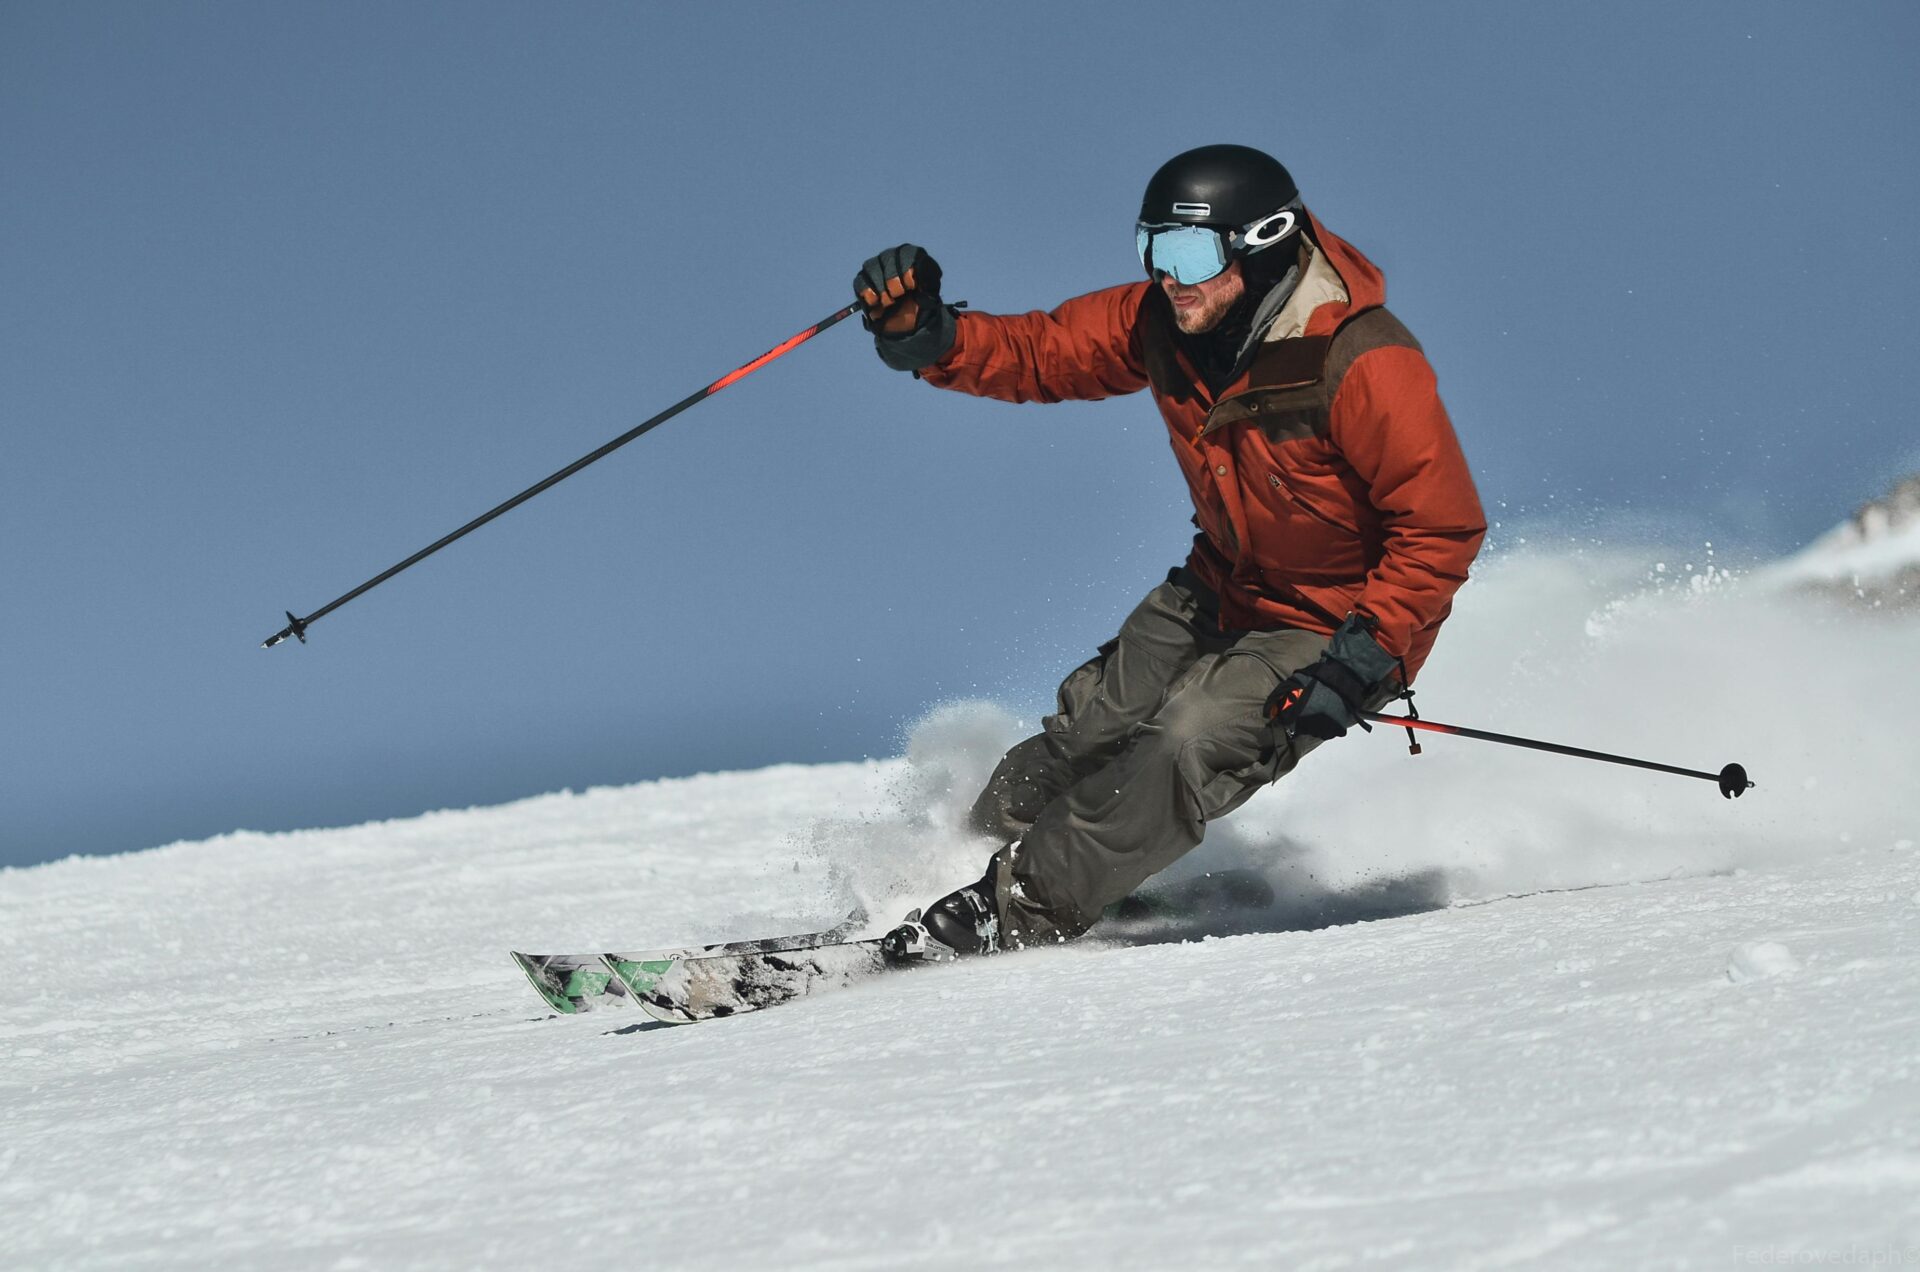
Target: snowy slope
<point>1691,1044</point>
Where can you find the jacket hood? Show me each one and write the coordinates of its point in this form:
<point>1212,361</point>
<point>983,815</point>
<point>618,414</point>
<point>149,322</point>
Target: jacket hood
<point>1359,278</point>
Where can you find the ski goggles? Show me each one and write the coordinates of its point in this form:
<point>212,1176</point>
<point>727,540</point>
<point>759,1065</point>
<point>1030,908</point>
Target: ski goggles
<point>1194,253</point>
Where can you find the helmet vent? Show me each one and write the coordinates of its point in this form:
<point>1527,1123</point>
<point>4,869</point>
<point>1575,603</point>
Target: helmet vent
<point>1193,209</point>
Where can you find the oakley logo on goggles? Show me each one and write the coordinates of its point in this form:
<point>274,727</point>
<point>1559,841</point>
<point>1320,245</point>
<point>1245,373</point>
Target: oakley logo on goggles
<point>1195,253</point>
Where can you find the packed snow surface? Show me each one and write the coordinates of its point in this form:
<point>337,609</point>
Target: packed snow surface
<point>1511,1010</point>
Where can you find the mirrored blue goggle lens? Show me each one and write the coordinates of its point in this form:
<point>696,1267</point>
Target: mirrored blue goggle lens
<point>1191,253</point>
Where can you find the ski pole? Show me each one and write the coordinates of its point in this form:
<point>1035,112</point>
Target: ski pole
<point>1732,779</point>
<point>297,627</point>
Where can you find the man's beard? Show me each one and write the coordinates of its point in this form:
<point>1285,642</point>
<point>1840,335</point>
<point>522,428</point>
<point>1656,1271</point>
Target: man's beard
<point>1205,316</point>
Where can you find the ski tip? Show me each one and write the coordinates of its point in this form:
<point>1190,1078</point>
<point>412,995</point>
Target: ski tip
<point>542,984</point>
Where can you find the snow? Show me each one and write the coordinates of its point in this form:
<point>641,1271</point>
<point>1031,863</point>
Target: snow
<point>1757,960</point>
<point>1879,545</point>
<point>1599,1018</point>
<point>1842,556</point>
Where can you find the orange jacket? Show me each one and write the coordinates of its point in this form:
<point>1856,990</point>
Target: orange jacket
<point>1313,508</point>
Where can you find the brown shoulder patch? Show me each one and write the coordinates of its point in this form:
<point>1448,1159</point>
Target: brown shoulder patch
<point>1364,332</point>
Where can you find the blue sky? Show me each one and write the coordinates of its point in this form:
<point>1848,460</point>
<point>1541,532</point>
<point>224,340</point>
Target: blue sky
<point>287,292</point>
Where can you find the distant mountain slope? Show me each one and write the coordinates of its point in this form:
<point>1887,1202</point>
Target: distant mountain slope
<point>1872,558</point>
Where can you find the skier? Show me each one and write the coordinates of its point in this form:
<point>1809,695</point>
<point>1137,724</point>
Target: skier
<point>1336,519</point>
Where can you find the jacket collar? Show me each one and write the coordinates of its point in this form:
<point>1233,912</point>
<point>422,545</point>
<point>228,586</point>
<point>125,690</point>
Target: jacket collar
<point>1320,284</point>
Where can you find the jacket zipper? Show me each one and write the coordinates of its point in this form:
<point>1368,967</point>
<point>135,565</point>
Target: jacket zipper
<point>1308,508</point>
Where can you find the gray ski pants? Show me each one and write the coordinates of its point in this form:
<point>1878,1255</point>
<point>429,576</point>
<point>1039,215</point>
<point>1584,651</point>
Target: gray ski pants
<point>1158,734</point>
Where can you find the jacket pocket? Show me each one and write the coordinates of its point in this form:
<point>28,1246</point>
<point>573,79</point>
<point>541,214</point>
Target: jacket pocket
<point>1301,502</point>
<point>1308,545</point>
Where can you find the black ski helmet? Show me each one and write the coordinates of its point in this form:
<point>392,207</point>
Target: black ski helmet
<point>1227,187</point>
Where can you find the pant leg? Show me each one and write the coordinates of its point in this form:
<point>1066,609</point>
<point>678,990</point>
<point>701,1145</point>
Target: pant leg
<point>1199,756</point>
<point>1100,703</point>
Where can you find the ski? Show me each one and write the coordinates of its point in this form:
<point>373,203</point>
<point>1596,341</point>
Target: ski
<point>572,983</point>
<point>715,985</point>
<point>575,983</point>
<point>703,982</point>
<point>740,980</point>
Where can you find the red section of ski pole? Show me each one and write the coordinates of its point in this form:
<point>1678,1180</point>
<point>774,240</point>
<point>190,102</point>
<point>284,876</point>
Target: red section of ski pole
<point>298,626</point>
<point>1732,779</point>
<point>784,347</point>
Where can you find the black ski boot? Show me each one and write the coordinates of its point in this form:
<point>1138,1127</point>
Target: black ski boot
<point>966,921</point>
<point>958,925</point>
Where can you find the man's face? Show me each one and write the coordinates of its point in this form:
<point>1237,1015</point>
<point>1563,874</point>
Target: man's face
<point>1199,308</point>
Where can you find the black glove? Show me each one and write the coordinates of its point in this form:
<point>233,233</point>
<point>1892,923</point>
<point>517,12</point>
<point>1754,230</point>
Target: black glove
<point>900,289</point>
<point>1330,697</point>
